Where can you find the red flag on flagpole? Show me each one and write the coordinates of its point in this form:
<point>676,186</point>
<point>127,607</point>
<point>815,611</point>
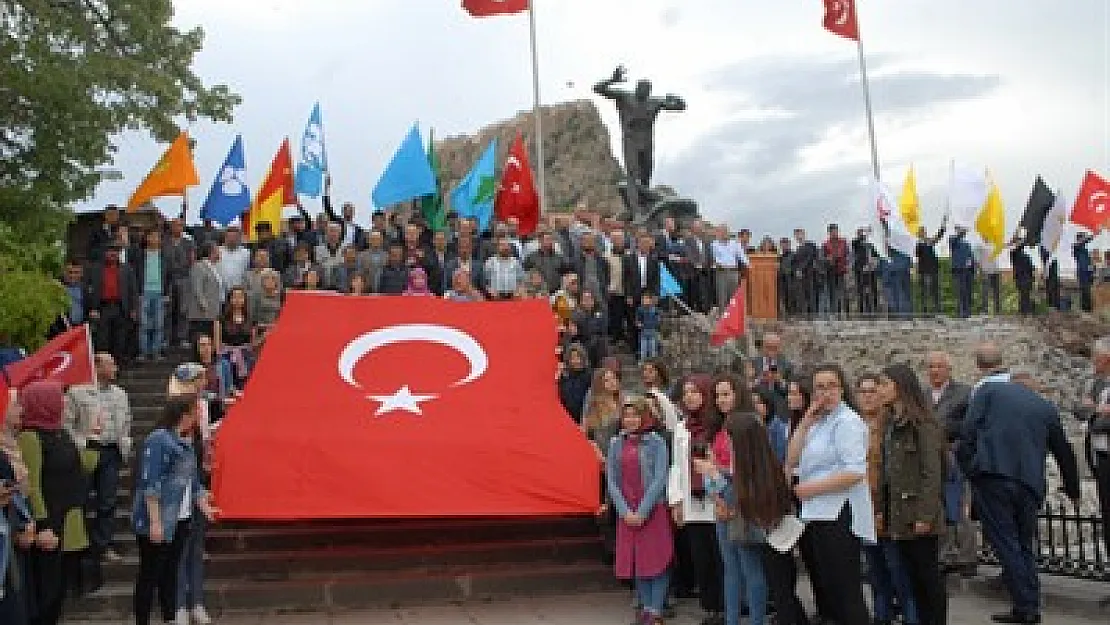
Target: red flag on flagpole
<point>487,8</point>
<point>68,359</point>
<point>733,323</point>
<point>517,196</point>
<point>1092,206</point>
<point>840,18</point>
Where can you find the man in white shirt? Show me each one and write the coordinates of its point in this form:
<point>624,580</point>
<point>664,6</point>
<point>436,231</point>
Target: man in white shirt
<point>235,259</point>
<point>729,260</point>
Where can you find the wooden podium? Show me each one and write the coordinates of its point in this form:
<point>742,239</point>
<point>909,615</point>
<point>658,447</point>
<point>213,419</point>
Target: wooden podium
<point>763,286</point>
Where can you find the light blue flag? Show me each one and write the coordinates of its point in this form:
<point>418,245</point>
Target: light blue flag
<point>230,196</point>
<point>314,158</point>
<point>668,286</point>
<point>475,193</point>
<point>409,175</point>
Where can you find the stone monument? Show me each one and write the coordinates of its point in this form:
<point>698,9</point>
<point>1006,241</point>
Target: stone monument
<point>638,111</point>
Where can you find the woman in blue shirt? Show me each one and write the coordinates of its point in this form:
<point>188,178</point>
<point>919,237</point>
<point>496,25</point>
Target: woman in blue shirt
<point>829,451</point>
<point>167,488</point>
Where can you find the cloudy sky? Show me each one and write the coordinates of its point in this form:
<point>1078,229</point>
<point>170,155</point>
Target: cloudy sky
<point>775,133</point>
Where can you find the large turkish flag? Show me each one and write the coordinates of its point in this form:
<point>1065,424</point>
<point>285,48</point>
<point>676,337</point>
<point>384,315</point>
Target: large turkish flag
<point>404,407</point>
<point>66,359</point>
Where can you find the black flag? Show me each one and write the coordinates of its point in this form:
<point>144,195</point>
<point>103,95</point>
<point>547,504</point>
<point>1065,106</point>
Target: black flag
<point>1040,202</point>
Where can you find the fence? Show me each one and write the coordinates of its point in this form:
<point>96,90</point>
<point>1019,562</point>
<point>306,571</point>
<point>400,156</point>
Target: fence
<point>1069,544</point>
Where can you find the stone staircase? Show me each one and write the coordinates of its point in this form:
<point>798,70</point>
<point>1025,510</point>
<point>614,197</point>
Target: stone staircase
<point>335,565</point>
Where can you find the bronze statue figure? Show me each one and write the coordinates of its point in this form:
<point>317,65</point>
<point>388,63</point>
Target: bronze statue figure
<point>638,110</point>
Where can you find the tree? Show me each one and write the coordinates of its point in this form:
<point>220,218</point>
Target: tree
<point>73,75</point>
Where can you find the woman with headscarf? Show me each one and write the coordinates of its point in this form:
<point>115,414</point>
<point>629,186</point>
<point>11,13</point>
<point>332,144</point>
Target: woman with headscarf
<point>417,283</point>
<point>636,471</point>
<point>698,517</point>
<point>57,485</point>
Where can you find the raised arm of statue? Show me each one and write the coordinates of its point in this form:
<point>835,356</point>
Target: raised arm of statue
<point>605,87</point>
<point>673,103</point>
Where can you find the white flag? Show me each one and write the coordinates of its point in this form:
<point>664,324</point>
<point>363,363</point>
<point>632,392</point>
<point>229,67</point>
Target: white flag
<point>897,234</point>
<point>967,193</point>
<point>1054,224</point>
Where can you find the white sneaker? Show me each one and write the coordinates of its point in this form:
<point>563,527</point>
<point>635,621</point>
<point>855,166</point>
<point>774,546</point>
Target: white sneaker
<point>200,616</point>
<point>182,617</point>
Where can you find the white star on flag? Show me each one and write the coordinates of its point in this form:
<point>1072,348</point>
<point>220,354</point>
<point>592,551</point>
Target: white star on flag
<point>403,399</point>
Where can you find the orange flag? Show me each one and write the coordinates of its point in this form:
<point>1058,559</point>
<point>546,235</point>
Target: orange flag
<point>275,194</point>
<point>170,176</point>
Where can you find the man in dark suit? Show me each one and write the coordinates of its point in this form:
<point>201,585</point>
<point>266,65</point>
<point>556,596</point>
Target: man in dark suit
<point>772,369</point>
<point>1007,434</point>
<point>959,548</point>
<point>640,275</point>
<point>698,260</point>
<point>103,234</point>
<point>111,295</point>
<point>963,270</point>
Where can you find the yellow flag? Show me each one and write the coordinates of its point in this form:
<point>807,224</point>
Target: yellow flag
<point>991,222</point>
<point>909,205</point>
<point>171,175</point>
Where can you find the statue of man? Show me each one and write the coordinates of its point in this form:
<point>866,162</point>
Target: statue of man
<point>638,110</point>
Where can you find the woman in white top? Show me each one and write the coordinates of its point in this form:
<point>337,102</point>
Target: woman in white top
<point>829,451</point>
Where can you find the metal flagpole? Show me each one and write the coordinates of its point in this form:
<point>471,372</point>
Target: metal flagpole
<point>867,102</point>
<point>536,106</point>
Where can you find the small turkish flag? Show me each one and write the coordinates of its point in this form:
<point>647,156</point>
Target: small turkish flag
<point>840,18</point>
<point>517,197</point>
<point>1092,207</point>
<point>486,8</point>
<point>66,359</point>
<point>404,407</point>
<point>731,324</point>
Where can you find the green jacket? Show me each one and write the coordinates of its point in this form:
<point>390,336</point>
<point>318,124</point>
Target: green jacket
<point>912,484</point>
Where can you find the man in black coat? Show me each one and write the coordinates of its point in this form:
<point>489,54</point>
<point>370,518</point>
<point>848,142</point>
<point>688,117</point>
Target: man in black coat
<point>1022,266</point>
<point>928,268</point>
<point>640,275</point>
<point>1007,434</point>
<point>111,295</point>
<point>804,267</point>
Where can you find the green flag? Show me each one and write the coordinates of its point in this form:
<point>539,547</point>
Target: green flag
<point>431,206</point>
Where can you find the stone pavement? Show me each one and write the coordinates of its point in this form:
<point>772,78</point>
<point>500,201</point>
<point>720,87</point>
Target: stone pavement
<point>611,608</point>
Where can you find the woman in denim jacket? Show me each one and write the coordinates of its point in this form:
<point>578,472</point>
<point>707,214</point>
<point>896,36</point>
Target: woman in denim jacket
<point>167,488</point>
<point>636,470</point>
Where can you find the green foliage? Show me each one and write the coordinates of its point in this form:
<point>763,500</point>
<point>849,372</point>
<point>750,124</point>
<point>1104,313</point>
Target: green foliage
<point>73,75</point>
<point>948,292</point>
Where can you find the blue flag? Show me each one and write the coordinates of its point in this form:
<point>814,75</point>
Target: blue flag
<point>475,193</point>
<point>409,175</point>
<point>314,159</point>
<point>230,196</point>
<point>668,286</point>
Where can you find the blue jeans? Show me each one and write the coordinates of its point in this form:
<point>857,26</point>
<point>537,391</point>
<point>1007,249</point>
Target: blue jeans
<point>887,576</point>
<point>153,323</point>
<point>743,566</point>
<point>651,592</point>
<point>649,344</point>
<point>1007,510</point>
<point>190,572</point>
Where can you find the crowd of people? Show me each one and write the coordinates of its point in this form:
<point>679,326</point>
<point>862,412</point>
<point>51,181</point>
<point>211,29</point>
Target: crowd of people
<point>841,277</point>
<point>696,474</point>
<point>883,469</point>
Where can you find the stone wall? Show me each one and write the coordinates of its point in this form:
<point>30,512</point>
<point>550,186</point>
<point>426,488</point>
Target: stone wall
<point>580,165</point>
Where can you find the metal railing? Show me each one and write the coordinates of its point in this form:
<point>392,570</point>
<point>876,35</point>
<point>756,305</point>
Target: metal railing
<point>1068,543</point>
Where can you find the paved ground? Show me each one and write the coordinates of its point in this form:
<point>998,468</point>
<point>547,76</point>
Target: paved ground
<point>594,609</point>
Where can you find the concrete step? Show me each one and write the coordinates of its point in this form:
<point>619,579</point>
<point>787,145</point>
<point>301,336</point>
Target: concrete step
<point>270,565</point>
<point>362,589</point>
